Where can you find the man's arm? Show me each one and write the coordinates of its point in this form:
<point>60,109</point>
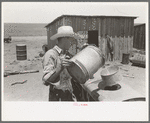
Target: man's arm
<point>51,70</point>
<point>52,76</point>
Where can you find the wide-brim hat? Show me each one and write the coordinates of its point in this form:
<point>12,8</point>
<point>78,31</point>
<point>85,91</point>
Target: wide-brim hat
<point>64,31</point>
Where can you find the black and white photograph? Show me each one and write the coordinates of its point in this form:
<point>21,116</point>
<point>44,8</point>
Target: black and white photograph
<point>81,61</point>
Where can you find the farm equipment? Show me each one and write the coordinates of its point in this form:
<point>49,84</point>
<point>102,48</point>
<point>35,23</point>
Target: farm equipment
<point>7,39</point>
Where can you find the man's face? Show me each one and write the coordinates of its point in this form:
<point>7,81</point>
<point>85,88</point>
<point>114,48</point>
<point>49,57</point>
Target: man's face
<point>67,42</point>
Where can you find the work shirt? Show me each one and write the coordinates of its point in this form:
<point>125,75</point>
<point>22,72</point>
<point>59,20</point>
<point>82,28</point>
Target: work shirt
<point>51,61</point>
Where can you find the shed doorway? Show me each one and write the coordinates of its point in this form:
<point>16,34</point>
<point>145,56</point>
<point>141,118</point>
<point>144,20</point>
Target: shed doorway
<point>93,37</point>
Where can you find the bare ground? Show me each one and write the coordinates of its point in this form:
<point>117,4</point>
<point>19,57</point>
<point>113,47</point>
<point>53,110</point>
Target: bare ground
<point>33,89</point>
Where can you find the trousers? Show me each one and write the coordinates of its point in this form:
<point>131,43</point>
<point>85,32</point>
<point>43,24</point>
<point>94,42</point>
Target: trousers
<point>60,95</point>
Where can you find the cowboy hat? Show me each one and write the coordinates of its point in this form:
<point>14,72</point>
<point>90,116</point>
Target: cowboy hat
<point>64,31</point>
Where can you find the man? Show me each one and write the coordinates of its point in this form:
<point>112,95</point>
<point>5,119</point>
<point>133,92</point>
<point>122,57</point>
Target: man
<point>55,62</point>
<point>109,46</point>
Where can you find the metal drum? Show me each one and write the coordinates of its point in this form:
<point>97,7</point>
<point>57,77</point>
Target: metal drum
<point>125,58</point>
<point>21,52</point>
<point>86,63</point>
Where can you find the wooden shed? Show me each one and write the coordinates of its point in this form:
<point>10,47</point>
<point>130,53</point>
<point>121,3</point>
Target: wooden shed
<point>93,29</point>
<point>139,36</point>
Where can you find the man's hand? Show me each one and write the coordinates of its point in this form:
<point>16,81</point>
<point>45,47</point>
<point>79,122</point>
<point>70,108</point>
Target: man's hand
<point>66,63</point>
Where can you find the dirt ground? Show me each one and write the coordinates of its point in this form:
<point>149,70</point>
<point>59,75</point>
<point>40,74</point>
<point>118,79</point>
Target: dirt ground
<point>33,89</point>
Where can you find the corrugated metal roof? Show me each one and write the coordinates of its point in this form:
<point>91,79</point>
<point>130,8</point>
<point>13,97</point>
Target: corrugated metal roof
<point>102,16</point>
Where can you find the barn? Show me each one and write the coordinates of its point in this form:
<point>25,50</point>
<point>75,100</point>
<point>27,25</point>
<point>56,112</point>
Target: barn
<point>139,36</point>
<point>93,29</point>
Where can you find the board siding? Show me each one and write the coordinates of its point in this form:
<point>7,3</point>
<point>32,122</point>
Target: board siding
<point>119,29</point>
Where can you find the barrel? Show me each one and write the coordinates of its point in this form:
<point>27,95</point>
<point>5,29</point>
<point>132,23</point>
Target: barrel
<point>21,52</point>
<point>125,58</point>
<point>86,63</point>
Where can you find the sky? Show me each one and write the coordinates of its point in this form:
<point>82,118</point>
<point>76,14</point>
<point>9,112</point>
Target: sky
<point>46,12</point>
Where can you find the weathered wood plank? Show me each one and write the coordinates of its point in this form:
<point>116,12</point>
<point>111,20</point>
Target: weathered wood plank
<point>117,34</point>
<point>65,21</point>
<point>102,37</point>
<point>132,27</point>
<point>126,27</point>
<point>111,27</point>
<point>119,29</point>
<point>143,40</point>
<point>97,23</point>
<point>99,33</point>
<point>93,20</point>
<point>84,24</point>
<point>131,43</point>
<point>104,33</point>
<point>90,24</point>
<point>114,27</point>
<point>79,24</point>
<point>100,27</point>
<point>130,34</point>
<point>135,38</point>
<point>118,41</point>
<point>141,30</point>
<point>87,28</point>
<point>138,37</point>
<point>61,22</point>
<point>68,22</point>
<point>129,27</point>
<point>120,49</point>
<point>107,26</point>
<point>139,40</point>
<point>116,48</point>
<point>130,38</point>
<point>73,24</point>
<point>103,47</point>
<point>123,45</point>
<point>125,34</point>
<point>126,43</point>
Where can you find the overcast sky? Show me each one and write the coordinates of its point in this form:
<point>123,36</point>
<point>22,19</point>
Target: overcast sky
<point>45,12</point>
